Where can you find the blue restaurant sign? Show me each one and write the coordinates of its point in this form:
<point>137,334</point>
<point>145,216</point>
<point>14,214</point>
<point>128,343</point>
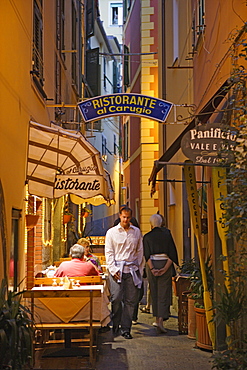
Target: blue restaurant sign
<point>124,105</point>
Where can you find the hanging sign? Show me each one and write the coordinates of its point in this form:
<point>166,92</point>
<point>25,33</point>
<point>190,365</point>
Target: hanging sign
<point>207,144</point>
<point>86,186</point>
<point>124,105</point>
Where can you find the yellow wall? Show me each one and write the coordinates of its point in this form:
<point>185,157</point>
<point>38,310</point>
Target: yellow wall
<point>20,102</point>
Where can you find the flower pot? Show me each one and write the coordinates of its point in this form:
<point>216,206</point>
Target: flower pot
<point>191,319</point>
<point>203,340</point>
<point>66,218</point>
<point>31,221</point>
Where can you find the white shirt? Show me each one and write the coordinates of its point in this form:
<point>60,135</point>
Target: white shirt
<point>122,245</point>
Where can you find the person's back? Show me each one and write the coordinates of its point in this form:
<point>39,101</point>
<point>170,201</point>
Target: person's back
<point>77,266</point>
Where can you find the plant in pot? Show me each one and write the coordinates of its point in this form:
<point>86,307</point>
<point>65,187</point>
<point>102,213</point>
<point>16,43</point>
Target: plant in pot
<point>186,270</point>
<point>85,212</point>
<point>31,218</point>
<point>231,308</point>
<point>197,289</point>
<point>180,287</point>
<point>67,215</point>
<point>15,330</point>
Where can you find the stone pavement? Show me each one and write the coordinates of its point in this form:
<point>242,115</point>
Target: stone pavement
<point>148,350</point>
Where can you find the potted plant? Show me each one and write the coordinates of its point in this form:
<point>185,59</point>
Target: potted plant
<point>15,330</point>
<point>196,288</point>
<point>31,218</point>
<point>187,269</point>
<point>67,215</point>
<point>85,212</point>
<point>180,286</point>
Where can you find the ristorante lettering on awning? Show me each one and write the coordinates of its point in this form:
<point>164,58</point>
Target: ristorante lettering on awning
<point>126,105</point>
<point>207,144</point>
<point>82,185</point>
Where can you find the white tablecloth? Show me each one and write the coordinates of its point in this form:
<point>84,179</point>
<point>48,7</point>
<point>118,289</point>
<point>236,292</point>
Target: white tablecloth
<point>69,309</point>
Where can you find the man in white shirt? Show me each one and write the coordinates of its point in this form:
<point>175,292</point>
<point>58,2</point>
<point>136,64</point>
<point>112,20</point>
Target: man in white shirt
<point>124,256</point>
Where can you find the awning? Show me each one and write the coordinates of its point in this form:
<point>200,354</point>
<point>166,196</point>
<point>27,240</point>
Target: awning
<point>63,162</point>
<point>203,117</point>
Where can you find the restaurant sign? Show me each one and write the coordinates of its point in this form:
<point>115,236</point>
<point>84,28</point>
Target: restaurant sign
<point>207,144</point>
<point>86,186</point>
<point>124,105</point>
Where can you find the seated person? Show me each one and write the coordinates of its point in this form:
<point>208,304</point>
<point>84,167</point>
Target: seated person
<point>88,256</point>
<point>77,266</point>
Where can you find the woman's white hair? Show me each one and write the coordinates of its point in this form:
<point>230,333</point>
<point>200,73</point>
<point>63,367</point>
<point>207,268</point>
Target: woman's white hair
<point>155,220</point>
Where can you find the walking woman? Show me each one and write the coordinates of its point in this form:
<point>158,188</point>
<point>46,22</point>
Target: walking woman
<point>160,252</point>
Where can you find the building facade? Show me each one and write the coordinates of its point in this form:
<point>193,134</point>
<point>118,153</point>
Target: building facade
<point>42,68</point>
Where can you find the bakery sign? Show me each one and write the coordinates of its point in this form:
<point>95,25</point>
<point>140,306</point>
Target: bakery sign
<point>124,105</point>
<point>208,144</point>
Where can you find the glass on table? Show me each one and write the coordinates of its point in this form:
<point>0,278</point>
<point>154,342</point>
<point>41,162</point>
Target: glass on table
<point>54,282</point>
<point>72,282</point>
<point>61,282</point>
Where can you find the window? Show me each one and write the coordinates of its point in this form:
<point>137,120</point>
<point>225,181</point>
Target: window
<point>93,75</point>
<point>116,14</point>
<point>175,30</point>
<point>60,16</point>
<point>115,144</point>
<point>89,18</point>
<point>74,46</point>
<point>126,8</point>
<point>37,59</point>
<point>104,149</point>
<point>198,23</point>
<point>126,68</point>
<point>126,141</point>
<point>13,264</point>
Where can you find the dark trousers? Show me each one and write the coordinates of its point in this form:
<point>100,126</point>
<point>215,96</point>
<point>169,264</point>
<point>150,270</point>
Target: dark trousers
<point>141,294</point>
<point>161,293</point>
<point>124,298</point>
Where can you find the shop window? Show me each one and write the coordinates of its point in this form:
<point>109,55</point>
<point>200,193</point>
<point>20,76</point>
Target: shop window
<point>116,14</point>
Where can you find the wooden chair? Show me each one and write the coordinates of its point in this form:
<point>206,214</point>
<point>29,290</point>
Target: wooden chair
<point>89,280</point>
<point>92,326</point>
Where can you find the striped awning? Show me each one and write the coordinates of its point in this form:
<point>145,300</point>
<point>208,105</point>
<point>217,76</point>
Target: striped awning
<point>63,162</point>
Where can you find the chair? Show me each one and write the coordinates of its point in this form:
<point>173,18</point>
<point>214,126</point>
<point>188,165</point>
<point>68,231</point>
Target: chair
<point>92,325</point>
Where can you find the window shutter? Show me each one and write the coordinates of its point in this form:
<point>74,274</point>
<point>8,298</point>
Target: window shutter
<point>93,70</point>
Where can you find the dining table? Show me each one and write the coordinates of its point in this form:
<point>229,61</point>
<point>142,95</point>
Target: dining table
<point>80,307</point>
<point>73,306</point>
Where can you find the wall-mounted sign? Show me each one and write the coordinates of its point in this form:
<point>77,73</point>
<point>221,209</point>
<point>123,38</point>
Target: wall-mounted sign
<point>124,105</point>
<point>206,144</point>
